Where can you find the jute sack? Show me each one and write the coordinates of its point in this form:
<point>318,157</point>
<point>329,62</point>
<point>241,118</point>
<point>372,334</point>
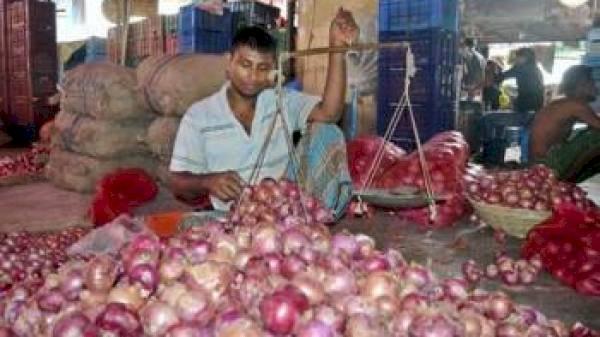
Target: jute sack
<point>170,84</point>
<point>80,173</point>
<point>161,137</point>
<point>103,91</point>
<point>100,138</point>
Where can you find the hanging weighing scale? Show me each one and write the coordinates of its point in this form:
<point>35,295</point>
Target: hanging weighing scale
<point>396,198</point>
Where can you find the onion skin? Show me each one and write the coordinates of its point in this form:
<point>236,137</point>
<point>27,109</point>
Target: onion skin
<point>101,274</point>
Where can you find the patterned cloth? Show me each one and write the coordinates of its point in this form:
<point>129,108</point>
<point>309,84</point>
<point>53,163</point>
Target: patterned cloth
<point>562,156</point>
<point>323,167</point>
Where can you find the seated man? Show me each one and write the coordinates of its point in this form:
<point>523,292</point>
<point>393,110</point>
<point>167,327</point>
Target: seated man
<point>552,141</point>
<point>220,138</point>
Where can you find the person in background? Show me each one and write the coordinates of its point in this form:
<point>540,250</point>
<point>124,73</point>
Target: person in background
<point>530,83</point>
<point>491,86</point>
<point>220,138</point>
<point>474,71</point>
<point>573,156</point>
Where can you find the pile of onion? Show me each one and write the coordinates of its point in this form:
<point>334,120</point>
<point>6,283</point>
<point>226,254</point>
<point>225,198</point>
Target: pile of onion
<point>261,280</point>
<point>279,202</point>
<point>536,188</point>
<point>27,163</point>
<point>26,258</point>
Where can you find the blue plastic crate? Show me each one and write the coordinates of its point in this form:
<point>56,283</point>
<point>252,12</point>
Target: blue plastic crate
<point>403,15</point>
<point>253,13</point>
<point>95,49</point>
<point>192,18</point>
<point>204,41</point>
<point>433,89</point>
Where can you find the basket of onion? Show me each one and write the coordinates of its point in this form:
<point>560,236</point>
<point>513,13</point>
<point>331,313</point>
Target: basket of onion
<point>516,201</point>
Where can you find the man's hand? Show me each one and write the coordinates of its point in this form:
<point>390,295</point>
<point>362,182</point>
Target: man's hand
<point>226,186</point>
<point>343,31</point>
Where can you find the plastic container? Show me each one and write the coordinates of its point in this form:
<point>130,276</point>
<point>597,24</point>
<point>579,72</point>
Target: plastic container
<point>432,91</point>
<point>164,224</point>
<point>406,15</point>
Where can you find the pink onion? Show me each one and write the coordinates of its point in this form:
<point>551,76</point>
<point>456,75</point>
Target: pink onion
<point>119,319</point>
<point>312,289</point>
<point>51,301</point>
<point>499,307</point>
<point>266,240</point>
<point>340,282</point>
<point>330,316</point>
<point>101,274</point>
<point>417,276</point>
<point>74,324</point>
<point>195,306</point>
<point>294,241</point>
<point>434,326</point>
<point>344,243</point>
<point>146,276</point>
<point>316,328</point>
<point>279,313</point>
<point>197,251</point>
<point>71,282</point>
<point>379,284</point>
<point>189,330</point>
<point>158,317</point>
<point>455,289</point>
<point>508,330</point>
<point>292,265</point>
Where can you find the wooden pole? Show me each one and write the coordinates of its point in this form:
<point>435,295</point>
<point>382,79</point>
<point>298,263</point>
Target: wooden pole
<point>124,16</point>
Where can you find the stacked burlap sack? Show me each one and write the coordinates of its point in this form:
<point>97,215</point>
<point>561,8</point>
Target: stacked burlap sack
<point>101,127</point>
<point>170,85</point>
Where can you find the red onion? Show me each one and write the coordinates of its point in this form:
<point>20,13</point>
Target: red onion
<point>340,282</point>
<point>499,307</point>
<point>471,271</point>
<point>101,274</point>
<point>74,324</point>
<point>379,284</point>
<point>72,281</point>
<point>146,276</point>
<point>6,332</point>
<point>413,301</point>
<point>455,289</point>
<point>51,301</point>
<point>330,316</point>
<point>362,326</point>
<point>157,317</point>
<point>434,326</point>
<point>508,330</point>
<point>417,276</point>
<point>119,319</point>
<point>292,265</point>
<point>279,313</point>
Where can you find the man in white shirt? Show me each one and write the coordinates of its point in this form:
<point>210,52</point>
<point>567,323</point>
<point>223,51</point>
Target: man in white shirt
<point>220,137</point>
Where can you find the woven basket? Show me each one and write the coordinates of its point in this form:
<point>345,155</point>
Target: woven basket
<point>514,221</point>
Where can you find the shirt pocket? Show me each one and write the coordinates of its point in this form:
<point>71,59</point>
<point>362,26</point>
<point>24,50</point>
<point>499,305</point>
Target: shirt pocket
<point>225,148</point>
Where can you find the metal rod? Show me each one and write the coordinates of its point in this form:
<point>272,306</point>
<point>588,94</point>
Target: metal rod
<point>325,50</point>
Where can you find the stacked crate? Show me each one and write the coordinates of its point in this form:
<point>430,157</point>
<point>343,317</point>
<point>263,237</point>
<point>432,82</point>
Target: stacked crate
<point>150,37</point>
<point>203,32</point>
<point>431,28</point>
<point>32,66</point>
<point>253,13</point>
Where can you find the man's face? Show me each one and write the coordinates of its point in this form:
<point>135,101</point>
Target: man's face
<point>249,71</point>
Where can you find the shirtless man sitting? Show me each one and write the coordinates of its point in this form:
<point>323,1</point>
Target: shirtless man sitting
<point>552,141</point>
